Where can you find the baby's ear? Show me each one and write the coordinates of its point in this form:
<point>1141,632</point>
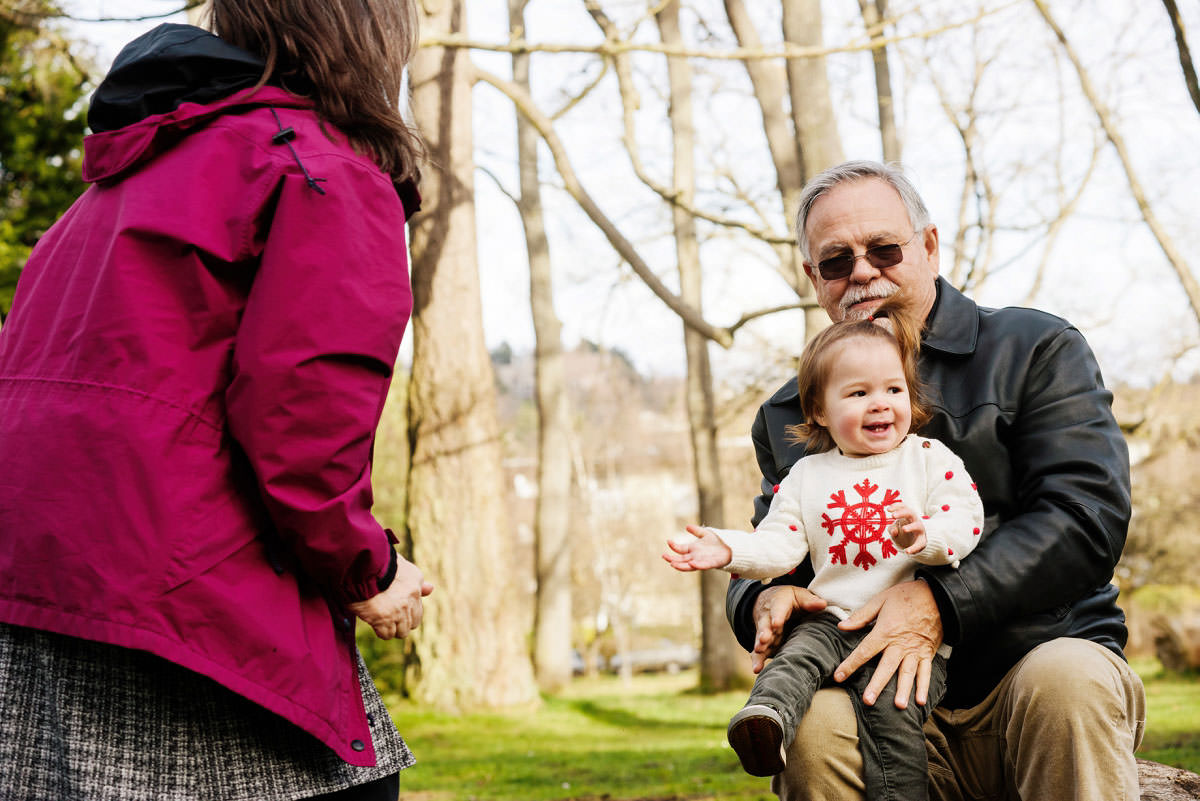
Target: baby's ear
<point>818,417</point>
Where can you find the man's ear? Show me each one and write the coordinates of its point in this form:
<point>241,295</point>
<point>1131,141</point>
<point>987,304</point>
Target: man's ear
<point>810,270</point>
<point>930,244</point>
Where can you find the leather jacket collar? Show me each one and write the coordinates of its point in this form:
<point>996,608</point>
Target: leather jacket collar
<point>953,324</point>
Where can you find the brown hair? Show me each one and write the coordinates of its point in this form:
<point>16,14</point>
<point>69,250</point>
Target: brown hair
<point>348,56</point>
<point>901,330</point>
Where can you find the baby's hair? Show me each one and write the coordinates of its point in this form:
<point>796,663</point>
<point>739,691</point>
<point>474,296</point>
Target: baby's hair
<point>890,323</point>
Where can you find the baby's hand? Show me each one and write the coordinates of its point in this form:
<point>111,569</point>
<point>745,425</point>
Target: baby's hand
<point>908,530</point>
<point>704,553</point>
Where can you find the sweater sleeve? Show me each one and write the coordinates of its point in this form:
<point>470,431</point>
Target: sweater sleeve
<point>312,365</point>
<point>778,544</point>
<point>952,508</point>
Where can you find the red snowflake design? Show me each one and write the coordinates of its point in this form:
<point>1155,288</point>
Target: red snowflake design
<point>861,524</point>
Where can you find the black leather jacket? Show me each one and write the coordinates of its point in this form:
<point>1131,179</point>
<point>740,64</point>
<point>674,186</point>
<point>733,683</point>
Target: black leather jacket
<point>1017,394</point>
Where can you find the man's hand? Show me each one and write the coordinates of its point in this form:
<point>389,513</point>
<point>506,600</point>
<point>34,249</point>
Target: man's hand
<point>908,631</point>
<point>772,609</point>
<point>396,611</point>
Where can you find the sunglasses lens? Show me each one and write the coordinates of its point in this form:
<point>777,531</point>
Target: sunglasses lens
<point>836,267</point>
<point>885,256</point>
<point>880,257</point>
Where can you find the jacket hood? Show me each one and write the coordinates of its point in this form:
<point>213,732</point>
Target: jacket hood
<point>164,84</point>
<point>109,155</point>
<point>171,80</point>
<point>166,67</point>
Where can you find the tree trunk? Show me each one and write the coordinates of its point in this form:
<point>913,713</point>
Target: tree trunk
<point>873,13</point>
<point>1164,783</point>
<point>719,652</point>
<point>552,618</point>
<point>471,650</point>
<point>769,79</point>
<point>197,14</point>
<point>808,84</point>
<point>812,108</point>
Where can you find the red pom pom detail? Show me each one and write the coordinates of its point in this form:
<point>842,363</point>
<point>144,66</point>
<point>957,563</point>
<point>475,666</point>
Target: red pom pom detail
<point>793,527</point>
<point>974,486</point>
<point>945,507</point>
<point>949,552</point>
<point>949,475</point>
<point>924,517</point>
<point>926,445</point>
<point>975,532</point>
<point>792,571</point>
<point>775,488</point>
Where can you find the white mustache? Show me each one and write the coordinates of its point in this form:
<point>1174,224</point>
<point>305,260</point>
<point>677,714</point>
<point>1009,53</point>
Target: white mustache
<point>878,289</point>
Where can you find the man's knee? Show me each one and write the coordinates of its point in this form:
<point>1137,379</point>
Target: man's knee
<point>1071,679</point>
<point>1075,713</point>
<point>823,761</point>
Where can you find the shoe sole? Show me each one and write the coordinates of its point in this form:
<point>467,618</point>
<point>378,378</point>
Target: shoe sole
<point>758,742</point>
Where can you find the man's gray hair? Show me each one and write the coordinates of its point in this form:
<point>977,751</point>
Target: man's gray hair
<point>891,174</point>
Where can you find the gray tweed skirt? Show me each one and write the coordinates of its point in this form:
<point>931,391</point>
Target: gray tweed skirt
<point>86,720</point>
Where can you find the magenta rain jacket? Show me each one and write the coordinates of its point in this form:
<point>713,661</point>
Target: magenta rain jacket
<point>190,380</point>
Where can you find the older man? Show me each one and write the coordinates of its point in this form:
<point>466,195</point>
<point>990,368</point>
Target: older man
<point>1040,702</point>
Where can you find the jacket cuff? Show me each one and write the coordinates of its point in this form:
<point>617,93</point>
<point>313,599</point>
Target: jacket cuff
<point>739,608</point>
<point>951,625</point>
<point>389,575</point>
<point>372,585</point>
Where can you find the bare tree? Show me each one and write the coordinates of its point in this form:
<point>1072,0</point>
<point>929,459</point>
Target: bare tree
<point>1186,279</point>
<point>472,650</point>
<point>552,619</point>
<point>977,203</point>
<point>769,80</point>
<point>812,106</point>
<point>808,85</point>
<point>1185,52</point>
<point>197,12</point>
<point>874,14</point>
<point>720,654</point>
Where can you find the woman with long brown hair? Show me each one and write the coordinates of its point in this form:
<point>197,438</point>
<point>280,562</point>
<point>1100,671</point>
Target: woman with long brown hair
<point>190,382</point>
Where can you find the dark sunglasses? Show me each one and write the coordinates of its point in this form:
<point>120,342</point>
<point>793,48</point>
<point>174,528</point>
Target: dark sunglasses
<point>881,257</point>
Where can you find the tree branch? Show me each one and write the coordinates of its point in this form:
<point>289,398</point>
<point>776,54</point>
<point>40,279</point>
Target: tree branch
<point>613,47</point>
<point>1185,54</point>
<point>806,303</point>
<point>1186,279</point>
<point>545,128</point>
<point>187,6</point>
<point>629,103</point>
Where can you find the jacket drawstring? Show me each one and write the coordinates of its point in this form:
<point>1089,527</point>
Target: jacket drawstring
<point>285,137</point>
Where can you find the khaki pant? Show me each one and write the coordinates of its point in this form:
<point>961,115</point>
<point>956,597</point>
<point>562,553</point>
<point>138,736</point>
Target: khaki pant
<point>1063,724</point>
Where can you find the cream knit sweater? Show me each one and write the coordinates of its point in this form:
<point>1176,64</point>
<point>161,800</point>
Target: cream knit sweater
<point>833,508</point>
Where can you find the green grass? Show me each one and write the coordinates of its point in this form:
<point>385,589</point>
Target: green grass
<point>1172,716</point>
<point>598,739</point>
<point>603,740</point>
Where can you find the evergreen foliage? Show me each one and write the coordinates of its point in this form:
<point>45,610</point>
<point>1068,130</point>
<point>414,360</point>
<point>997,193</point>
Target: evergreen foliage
<point>42,123</point>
